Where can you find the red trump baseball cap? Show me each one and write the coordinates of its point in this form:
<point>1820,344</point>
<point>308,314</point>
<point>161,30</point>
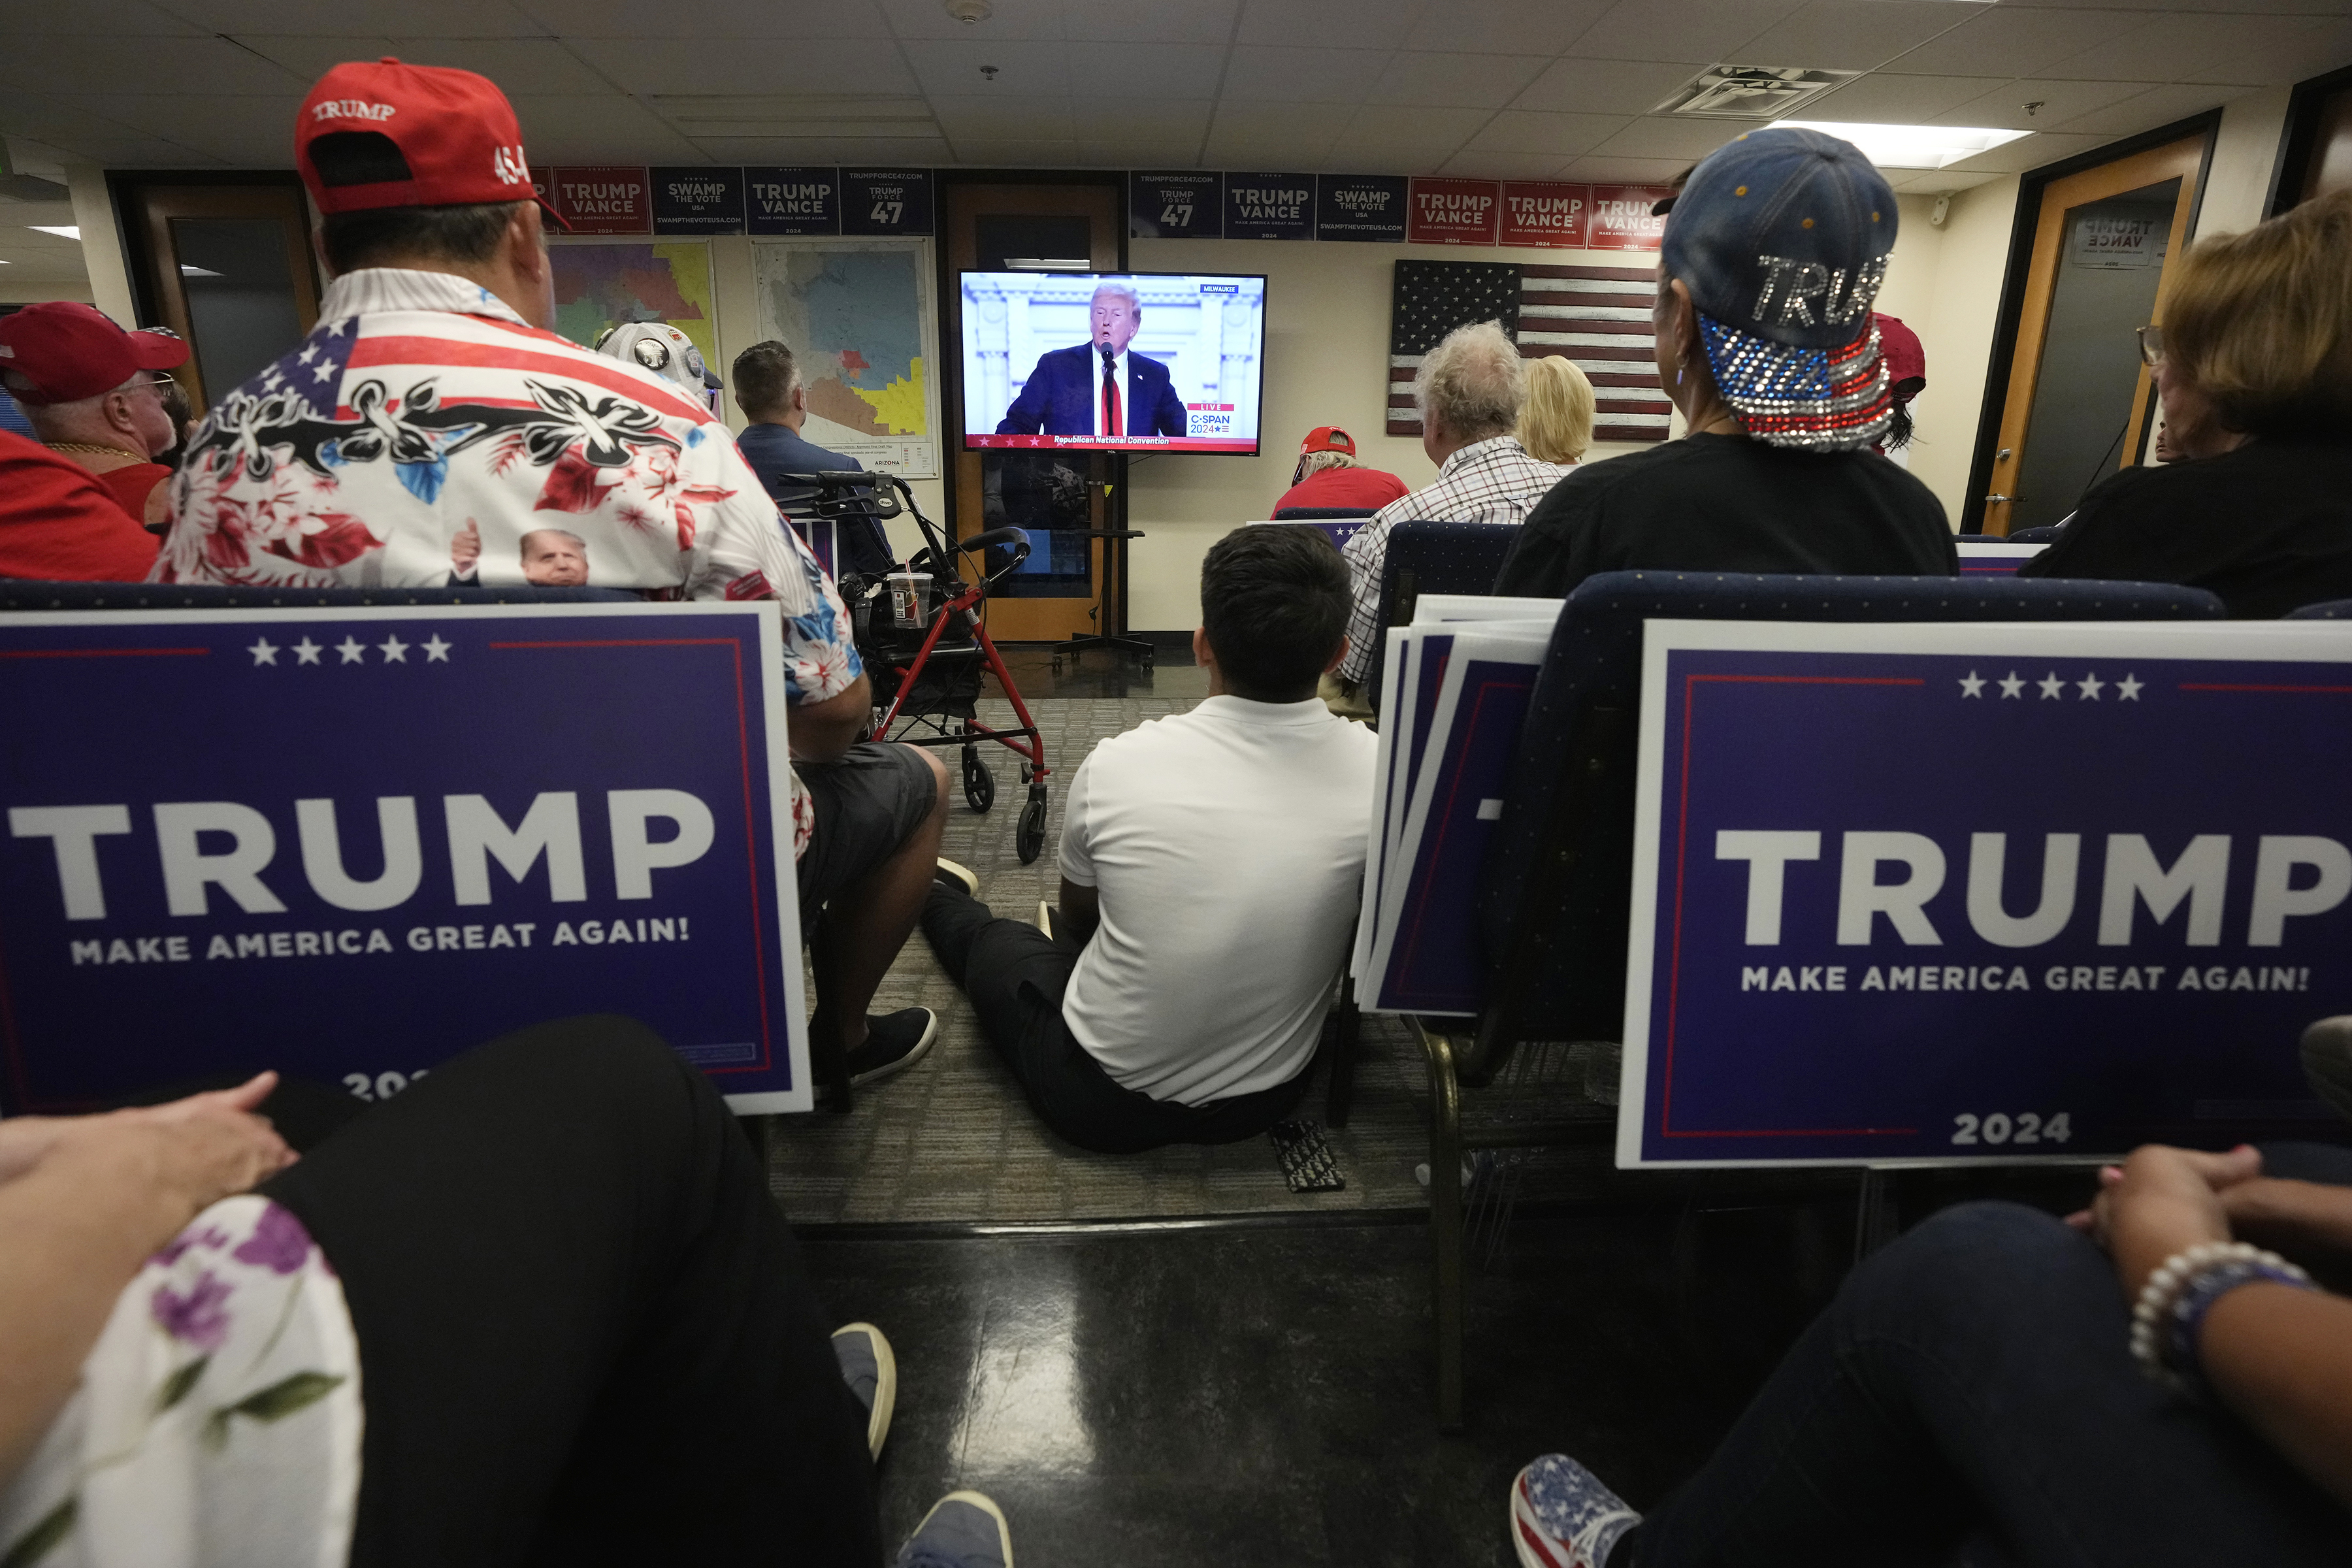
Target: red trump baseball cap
<point>64,351</point>
<point>395,135</point>
<point>1328,438</point>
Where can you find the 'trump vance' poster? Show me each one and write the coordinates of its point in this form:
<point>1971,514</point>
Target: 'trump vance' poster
<point>350,843</point>
<point>1940,894</point>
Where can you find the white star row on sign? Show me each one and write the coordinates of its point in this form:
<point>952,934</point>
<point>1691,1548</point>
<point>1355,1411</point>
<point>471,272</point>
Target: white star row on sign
<point>354,651</point>
<point>2053,686</point>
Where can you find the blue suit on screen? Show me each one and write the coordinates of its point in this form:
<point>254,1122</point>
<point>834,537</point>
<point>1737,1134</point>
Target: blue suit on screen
<point>1058,398</point>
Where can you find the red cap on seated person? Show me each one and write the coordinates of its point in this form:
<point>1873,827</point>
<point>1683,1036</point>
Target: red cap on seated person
<point>445,138</point>
<point>64,351</point>
<point>1327,439</point>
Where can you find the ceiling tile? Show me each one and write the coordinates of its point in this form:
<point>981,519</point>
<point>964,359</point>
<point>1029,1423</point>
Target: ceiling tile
<point>101,19</point>
<point>309,56</point>
<point>1898,100</point>
<point>859,153</point>
<point>1697,32</point>
<point>1146,120</point>
<point>517,64</point>
<point>1603,87</point>
<point>241,144</point>
<point>1153,21</point>
<point>2027,153</point>
<point>2169,47</point>
<point>132,152</point>
<point>214,67</point>
<point>2279,61</point>
<point>1271,136</point>
<point>953,66</point>
<point>2004,107</point>
<point>2002,40</point>
<point>1505,26</point>
<point>1851,34</point>
<point>2147,111</point>
<point>587,128</point>
<point>325,18</point>
<point>1938,181</point>
<point>705,18</point>
<point>1474,164</point>
<point>32,114</point>
<point>1557,136</point>
<point>890,151</point>
<point>1361,24</point>
<point>16,219</point>
<point>1380,138</point>
<point>1456,82</point>
<point>746,65</point>
<point>1010,21</point>
<point>1166,70</point>
<point>175,116</point>
<point>1017,154</point>
<point>1656,136</point>
<point>1625,170</point>
<point>1004,118</point>
<point>1284,74</point>
<point>1137,156</point>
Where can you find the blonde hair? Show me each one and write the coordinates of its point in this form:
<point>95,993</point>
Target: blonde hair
<point>2261,322</point>
<point>1555,427</point>
<point>1315,462</point>
<point>1474,380</point>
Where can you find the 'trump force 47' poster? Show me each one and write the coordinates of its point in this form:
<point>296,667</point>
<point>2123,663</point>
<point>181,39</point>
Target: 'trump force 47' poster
<point>349,844</point>
<point>1951,893</point>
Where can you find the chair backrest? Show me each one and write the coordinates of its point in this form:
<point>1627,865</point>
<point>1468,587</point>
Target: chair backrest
<point>1319,513</point>
<point>1553,904</point>
<point>29,594</point>
<point>2045,535</point>
<point>1435,558</point>
<point>2329,610</point>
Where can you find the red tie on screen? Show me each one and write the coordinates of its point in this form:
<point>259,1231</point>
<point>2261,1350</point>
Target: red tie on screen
<point>1110,403</point>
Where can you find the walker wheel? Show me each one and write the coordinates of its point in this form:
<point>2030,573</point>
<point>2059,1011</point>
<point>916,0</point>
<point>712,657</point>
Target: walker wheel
<point>1029,837</point>
<point>978,784</point>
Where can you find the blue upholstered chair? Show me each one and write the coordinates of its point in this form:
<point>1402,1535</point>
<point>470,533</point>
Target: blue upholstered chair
<point>1320,513</point>
<point>2046,535</point>
<point>2331,610</point>
<point>29,593</point>
<point>1435,558</point>
<point>1554,903</point>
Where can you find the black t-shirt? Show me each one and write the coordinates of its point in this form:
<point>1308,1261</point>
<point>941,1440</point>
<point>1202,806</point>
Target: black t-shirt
<point>2267,527</point>
<point>1727,503</point>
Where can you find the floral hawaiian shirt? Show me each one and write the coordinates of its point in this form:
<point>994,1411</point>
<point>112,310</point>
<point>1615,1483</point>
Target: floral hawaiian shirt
<point>424,433</point>
<point>218,1416</point>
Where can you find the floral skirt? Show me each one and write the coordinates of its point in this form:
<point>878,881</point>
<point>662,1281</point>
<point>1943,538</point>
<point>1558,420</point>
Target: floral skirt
<point>219,1418</point>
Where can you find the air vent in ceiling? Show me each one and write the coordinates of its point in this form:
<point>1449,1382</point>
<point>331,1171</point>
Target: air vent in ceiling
<point>796,114</point>
<point>1751,92</point>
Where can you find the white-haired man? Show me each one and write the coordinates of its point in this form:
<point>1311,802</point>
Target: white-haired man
<point>1098,388</point>
<point>1469,391</point>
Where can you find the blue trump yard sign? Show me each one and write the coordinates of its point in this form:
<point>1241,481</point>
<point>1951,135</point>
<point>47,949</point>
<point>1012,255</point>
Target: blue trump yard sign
<point>1942,894</point>
<point>349,844</point>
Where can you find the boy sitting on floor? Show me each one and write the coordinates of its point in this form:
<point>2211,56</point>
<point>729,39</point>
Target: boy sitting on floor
<point>1210,872</point>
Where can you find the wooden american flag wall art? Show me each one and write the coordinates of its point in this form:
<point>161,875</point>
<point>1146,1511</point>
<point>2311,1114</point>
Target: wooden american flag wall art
<point>1598,317</point>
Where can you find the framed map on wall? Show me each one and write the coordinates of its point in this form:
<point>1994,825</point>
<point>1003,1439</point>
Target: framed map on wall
<point>862,321</point>
<point>602,283</point>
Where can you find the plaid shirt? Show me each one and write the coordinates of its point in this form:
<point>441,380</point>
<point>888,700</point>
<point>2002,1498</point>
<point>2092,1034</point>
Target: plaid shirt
<point>1487,481</point>
<point>421,408</point>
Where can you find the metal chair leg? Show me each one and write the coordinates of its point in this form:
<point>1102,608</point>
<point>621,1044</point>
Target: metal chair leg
<point>1341,1092</point>
<point>1445,1223</point>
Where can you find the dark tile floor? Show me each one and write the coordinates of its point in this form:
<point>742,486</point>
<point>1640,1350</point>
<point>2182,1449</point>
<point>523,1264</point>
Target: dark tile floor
<point>1239,1394</point>
<point>1102,673</point>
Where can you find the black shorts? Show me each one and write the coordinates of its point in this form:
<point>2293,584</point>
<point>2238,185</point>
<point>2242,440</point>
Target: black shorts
<point>865,804</point>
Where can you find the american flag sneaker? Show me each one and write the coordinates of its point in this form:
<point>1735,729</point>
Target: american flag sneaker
<point>1563,1517</point>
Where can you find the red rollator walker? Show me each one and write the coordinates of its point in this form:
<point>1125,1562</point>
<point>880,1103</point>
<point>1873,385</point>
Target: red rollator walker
<point>920,629</point>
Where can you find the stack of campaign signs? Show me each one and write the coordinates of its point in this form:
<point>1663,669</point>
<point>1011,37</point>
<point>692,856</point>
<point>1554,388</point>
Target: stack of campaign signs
<point>1455,692</point>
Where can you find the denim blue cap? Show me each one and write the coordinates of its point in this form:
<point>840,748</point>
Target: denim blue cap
<point>1783,236</point>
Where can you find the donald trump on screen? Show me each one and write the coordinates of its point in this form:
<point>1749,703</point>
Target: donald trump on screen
<point>1098,388</point>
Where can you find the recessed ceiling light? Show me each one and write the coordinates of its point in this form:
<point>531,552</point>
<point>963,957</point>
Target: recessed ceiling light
<point>1912,146</point>
<point>1750,92</point>
<point>69,231</point>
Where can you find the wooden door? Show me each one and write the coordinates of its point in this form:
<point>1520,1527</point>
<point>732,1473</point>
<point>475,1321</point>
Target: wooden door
<point>229,267</point>
<point>2171,169</point>
<point>982,479</point>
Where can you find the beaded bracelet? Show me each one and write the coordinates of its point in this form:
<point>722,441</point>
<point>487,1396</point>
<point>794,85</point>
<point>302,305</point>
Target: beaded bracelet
<point>2171,1309</point>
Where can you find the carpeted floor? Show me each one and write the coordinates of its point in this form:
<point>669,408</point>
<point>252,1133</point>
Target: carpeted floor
<point>952,1140</point>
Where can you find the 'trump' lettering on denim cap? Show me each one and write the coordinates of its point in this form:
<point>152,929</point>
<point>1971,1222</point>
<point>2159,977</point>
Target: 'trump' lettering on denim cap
<point>1783,238</point>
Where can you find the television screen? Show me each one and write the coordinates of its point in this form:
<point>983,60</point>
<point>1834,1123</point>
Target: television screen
<point>1142,361</point>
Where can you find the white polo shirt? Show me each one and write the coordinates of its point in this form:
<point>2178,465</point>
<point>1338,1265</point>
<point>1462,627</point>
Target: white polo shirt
<point>1227,847</point>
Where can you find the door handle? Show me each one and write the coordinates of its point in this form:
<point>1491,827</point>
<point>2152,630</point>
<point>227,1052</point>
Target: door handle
<point>2003,499</point>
